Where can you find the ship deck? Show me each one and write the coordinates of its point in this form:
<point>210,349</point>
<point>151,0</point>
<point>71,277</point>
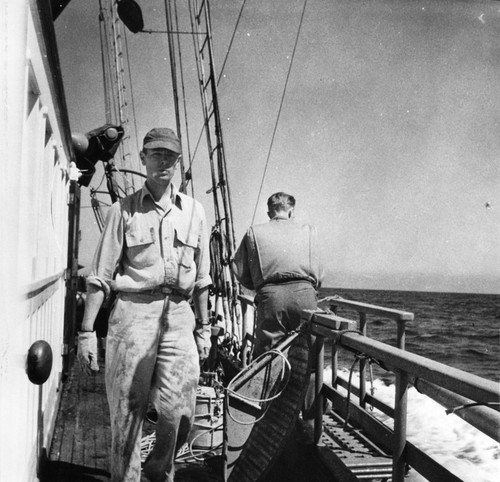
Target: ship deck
<point>81,443</point>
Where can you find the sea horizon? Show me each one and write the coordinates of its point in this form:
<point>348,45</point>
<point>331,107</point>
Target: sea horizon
<point>430,291</point>
<point>461,330</point>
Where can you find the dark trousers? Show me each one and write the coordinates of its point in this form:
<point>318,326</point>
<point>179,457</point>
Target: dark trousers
<point>279,309</point>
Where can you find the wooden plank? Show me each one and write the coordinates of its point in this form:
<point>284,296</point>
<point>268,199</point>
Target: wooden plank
<point>81,444</point>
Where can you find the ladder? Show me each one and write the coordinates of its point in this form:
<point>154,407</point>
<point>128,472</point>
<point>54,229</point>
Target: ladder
<point>207,80</point>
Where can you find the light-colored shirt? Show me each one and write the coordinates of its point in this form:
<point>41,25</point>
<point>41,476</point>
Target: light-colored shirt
<point>146,245</point>
<point>278,251</point>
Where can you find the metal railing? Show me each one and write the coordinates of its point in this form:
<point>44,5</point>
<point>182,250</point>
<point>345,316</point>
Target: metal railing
<point>449,386</point>
<point>407,368</point>
<point>364,309</point>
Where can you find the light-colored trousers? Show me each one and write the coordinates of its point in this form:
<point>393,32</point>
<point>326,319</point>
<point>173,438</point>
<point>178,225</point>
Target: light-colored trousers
<point>150,345</point>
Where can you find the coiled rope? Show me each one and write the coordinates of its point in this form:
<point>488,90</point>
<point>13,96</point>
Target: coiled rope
<point>285,374</point>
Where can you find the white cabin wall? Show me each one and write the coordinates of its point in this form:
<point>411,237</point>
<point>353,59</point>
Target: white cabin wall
<point>12,87</point>
<point>34,185</point>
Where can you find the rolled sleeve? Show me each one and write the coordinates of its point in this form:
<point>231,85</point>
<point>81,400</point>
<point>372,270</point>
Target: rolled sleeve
<point>202,257</point>
<point>99,283</point>
<point>108,252</point>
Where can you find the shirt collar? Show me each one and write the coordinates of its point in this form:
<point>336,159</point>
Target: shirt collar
<point>174,194</point>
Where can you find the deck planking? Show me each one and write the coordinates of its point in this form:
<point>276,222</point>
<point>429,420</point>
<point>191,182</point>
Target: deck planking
<point>82,439</point>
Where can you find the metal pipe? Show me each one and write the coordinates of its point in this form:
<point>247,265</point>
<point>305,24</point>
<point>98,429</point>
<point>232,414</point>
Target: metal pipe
<point>471,386</point>
<point>362,364</point>
<point>318,419</point>
<point>485,419</point>
<point>244,341</point>
<point>335,364</point>
<point>400,412</point>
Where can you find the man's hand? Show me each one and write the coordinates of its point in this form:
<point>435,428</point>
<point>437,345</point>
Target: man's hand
<point>87,352</point>
<point>202,334</point>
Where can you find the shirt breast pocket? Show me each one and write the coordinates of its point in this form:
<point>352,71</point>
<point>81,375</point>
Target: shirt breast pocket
<point>141,249</point>
<point>185,245</point>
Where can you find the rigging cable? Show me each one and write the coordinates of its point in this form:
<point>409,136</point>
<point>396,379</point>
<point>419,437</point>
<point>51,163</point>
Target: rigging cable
<point>220,74</point>
<point>173,72</point>
<point>231,42</point>
<point>203,94</point>
<point>132,101</point>
<point>103,41</point>
<point>280,107</point>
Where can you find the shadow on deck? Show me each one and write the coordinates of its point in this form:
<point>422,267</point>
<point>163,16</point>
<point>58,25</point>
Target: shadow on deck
<point>82,438</point>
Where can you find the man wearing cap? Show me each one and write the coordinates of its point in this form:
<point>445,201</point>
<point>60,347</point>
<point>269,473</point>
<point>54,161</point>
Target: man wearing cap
<point>153,253</point>
<point>280,262</point>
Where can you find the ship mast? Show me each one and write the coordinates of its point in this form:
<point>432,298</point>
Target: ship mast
<point>222,242</point>
<point>118,102</point>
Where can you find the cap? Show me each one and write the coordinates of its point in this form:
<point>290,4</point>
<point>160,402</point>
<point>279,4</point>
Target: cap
<point>161,137</point>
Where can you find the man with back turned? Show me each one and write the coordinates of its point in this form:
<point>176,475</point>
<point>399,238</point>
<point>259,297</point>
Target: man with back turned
<point>279,260</point>
<point>153,253</point>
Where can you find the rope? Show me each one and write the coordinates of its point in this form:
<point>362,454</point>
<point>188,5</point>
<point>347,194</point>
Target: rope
<point>358,357</point>
<point>280,108</point>
<point>472,404</point>
<point>285,371</point>
<point>342,333</point>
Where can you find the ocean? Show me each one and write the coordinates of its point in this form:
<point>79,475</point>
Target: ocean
<point>460,330</point>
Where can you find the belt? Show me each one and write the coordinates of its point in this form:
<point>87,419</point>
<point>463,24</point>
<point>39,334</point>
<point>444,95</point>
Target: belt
<point>285,281</point>
<point>165,290</point>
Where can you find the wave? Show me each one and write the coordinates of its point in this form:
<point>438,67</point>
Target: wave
<point>482,352</point>
<point>458,446</point>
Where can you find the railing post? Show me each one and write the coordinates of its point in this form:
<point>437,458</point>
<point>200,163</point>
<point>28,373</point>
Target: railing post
<point>244,341</point>
<point>320,366</point>
<point>400,409</point>
<point>401,334</point>
<point>362,363</point>
<point>335,355</point>
<point>335,363</point>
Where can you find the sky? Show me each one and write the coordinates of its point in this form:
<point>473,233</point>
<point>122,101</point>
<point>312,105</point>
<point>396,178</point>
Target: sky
<point>388,136</point>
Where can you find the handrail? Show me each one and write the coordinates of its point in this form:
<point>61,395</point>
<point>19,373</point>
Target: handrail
<point>35,294</point>
<point>479,416</point>
<point>396,315</point>
<point>458,381</point>
<point>364,309</point>
<point>406,366</point>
